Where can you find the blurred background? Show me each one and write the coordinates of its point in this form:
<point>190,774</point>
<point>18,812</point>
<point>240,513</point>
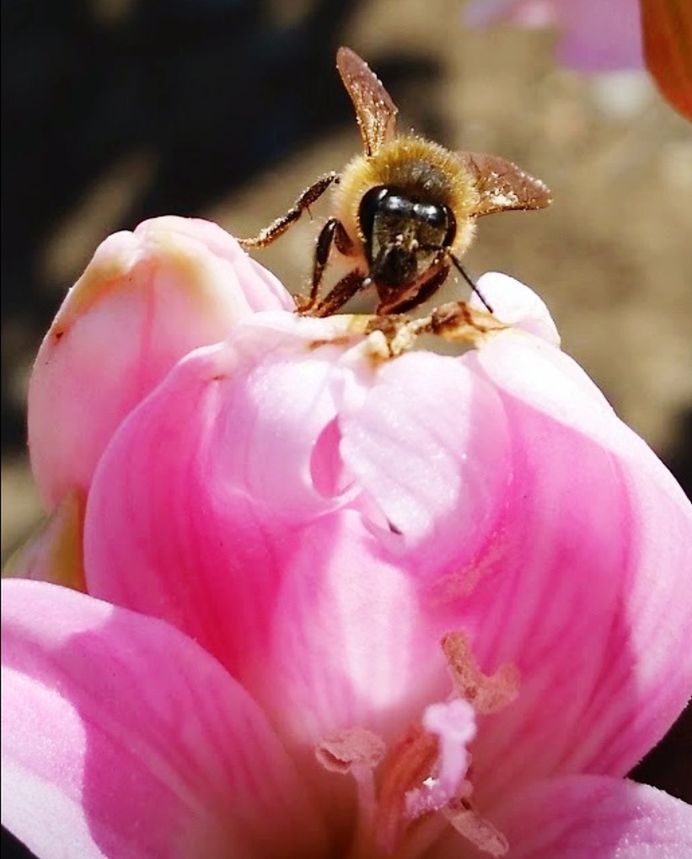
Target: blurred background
<point>119,110</point>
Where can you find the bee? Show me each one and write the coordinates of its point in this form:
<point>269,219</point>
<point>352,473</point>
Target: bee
<point>405,209</point>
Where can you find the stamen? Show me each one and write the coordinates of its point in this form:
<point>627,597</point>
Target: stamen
<point>480,832</point>
<point>356,751</point>
<point>424,783</point>
<point>353,747</point>
<point>408,763</point>
<point>487,693</point>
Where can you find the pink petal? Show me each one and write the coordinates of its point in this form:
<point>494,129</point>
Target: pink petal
<point>600,37</point>
<point>145,300</point>
<point>586,586</point>
<point>349,643</point>
<point>517,305</point>
<point>592,817</point>
<point>123,738</point>
<point>257,286</point>
<point>429,445</point>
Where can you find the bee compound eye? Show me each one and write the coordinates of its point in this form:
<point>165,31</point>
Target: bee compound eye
<point>451,227</point>
<point>432,214</point>
<point>370,205</point>
<point>396,204</point>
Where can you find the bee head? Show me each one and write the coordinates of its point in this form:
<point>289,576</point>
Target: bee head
<point>403,235</point>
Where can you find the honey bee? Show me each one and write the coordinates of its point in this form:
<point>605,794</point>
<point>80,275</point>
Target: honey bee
<point>405,210</point>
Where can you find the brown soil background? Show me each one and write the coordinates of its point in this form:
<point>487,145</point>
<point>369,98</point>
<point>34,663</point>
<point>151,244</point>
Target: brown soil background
<point>120,110</point>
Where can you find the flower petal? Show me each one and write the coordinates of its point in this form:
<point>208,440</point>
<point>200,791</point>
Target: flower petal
<point>587,588</point>
<point>600,37</point>
<point>594,817</point>
<point>145,300</point>
<point>429,444</point>
<point>123,738</point>
<point>515,304</point>
<point>226,444</point>
<point>350,644</point>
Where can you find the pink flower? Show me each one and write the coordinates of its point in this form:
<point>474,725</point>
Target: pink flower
<point>337,604</point>
<point>596,35</point>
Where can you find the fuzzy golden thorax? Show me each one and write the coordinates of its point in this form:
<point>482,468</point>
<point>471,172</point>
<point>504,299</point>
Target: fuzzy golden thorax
<point>426,170</point>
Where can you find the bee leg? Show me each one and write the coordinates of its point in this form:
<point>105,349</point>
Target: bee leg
<point>344,290</point>
<point>280,225</point>
<point>458,266</point>
<point>427,288</point>
<point>332,233</point>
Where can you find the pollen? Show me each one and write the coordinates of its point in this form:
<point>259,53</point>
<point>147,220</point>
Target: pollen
<point>487,693</point>
<point>356,747</point>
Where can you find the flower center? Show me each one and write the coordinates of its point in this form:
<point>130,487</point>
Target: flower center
<point>423,783</point>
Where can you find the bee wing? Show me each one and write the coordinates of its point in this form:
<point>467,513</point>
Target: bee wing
<point>375,110</point>
<point>503,186</point>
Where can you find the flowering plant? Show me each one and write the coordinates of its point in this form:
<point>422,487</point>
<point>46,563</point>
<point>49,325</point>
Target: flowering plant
<point>304,594</point>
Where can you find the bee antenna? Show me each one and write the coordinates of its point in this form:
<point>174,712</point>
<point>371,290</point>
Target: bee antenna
<point>469,280</point>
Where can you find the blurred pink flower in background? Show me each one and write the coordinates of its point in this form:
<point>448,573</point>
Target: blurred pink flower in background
<point>595,35</point>
<point>335,604</point>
